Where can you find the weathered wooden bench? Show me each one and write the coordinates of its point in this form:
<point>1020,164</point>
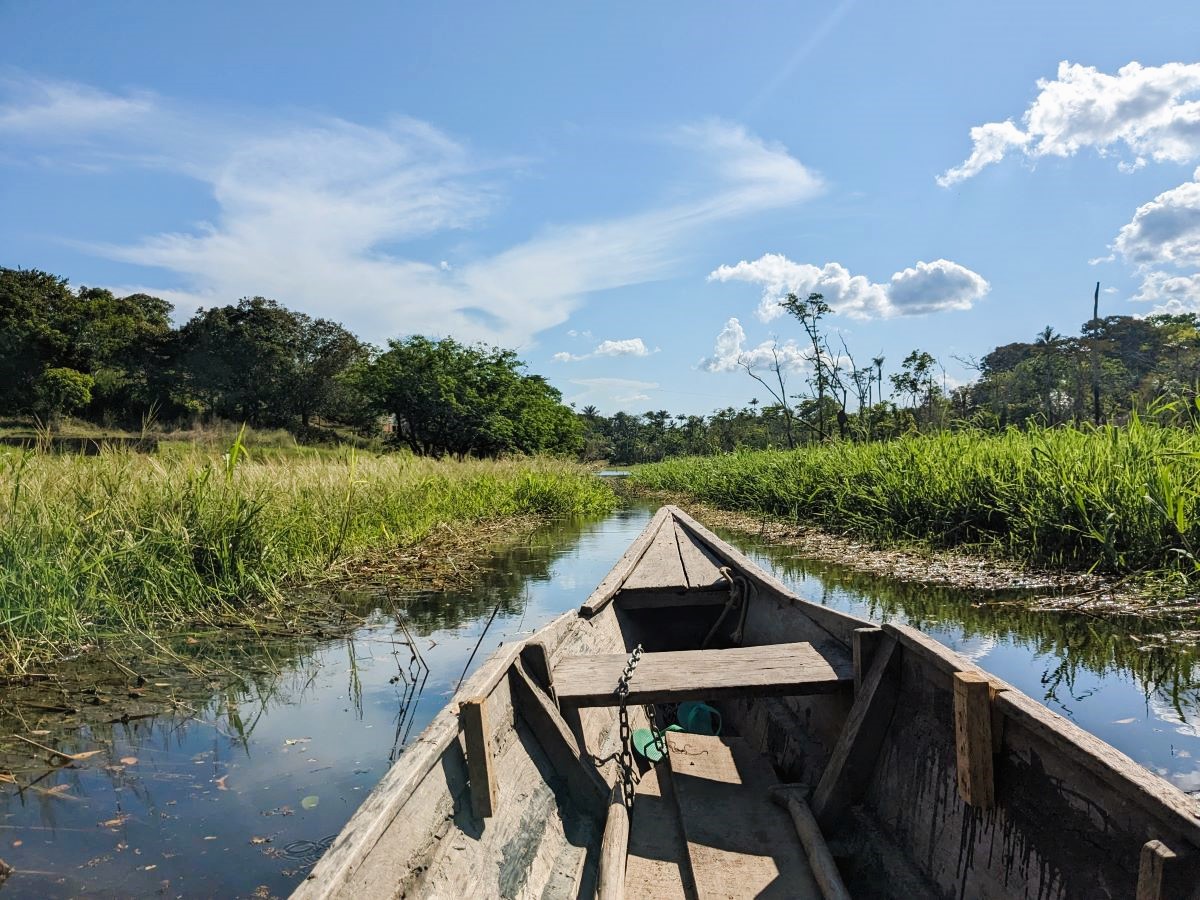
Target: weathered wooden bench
<point>772,670</point>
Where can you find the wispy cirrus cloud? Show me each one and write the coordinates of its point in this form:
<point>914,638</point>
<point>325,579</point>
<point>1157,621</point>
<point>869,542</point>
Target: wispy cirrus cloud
<point>64,109</point>
<point>926,287</point>
<point>610,392</point>
<point>318,212</point>
<point>1151,112</point>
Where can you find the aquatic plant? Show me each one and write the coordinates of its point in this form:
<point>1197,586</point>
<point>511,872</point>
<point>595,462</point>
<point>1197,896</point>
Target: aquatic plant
<point>1116,500</point>
<point>122,541</point>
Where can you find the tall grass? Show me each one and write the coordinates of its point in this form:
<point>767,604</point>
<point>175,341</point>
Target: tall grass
<point>127,541</point>
<point>1115,499</point>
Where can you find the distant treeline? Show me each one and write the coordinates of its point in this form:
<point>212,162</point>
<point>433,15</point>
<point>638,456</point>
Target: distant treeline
<point>118,362</point>
<point>1116,365</point>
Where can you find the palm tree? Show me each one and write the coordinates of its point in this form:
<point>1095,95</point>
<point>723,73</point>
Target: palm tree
<point>1047,344</point>
<point>877,362</point>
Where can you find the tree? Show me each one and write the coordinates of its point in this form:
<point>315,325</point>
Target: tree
<point>261,363</point>
<point>59,391</point>
<point>34,306</point>
<point>809,313</point>
<point>123,343</point>
<point>916,378</point>
<point>466,400</point>
<point>776,369</point>
<point>323,351</point>
<point>1047,345</point>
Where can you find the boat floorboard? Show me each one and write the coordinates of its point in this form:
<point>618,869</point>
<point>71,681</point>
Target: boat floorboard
<point>671,677</point>
<point>656,868</point>
<point>739,843</point>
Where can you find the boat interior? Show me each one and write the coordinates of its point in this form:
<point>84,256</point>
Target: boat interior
<point>697,730</point>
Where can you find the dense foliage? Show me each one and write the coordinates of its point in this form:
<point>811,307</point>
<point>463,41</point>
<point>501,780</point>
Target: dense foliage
<point>117,361</point>
<point>451,398</point>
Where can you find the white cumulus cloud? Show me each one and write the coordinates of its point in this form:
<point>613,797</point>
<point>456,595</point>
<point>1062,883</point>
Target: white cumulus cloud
<point>924,288</point>
<point>628,347</point>
<point>1165,231</point>
<point>730,352</point>
<point>1151,112</point>
<point>1170,293</point>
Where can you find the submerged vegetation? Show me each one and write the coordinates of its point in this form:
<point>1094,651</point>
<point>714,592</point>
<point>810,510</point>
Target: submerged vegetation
<point>1116,500</point>
<point>125,542</point>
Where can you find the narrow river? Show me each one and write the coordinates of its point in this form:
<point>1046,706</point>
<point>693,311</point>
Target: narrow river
<point>235,794</point>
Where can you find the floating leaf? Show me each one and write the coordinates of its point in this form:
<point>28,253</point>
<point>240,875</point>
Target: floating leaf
<point>220,783</point>
<point>310,801</point>
<point>115,821</point>
<point>73,757</point>
<point>259,840</point>
<point>58,791</point>
<point>129,760</point>
<point>291,741</point>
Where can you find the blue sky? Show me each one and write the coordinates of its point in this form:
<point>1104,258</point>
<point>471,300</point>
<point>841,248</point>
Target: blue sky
<point>607,187</point>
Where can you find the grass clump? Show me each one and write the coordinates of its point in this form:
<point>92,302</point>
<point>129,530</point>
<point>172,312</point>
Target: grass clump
<point>1115,500</point>
<point>123,541</point>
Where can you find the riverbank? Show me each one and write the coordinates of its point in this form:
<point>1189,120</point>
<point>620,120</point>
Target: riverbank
<point>121,543</point>
<point>1100,520</point>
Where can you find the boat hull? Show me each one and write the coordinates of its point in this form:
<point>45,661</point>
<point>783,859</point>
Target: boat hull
<point>909,800</point>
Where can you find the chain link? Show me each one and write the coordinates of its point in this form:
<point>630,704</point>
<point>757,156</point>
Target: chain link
<point>626,751</point>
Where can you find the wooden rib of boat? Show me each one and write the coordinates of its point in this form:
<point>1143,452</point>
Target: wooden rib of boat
<point>853,760</point>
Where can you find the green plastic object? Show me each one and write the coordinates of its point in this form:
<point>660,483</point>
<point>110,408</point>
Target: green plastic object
<point>698,718</point>
<point>643,743</point>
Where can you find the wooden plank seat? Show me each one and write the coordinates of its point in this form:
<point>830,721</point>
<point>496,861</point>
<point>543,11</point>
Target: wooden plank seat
<point>773,670</point>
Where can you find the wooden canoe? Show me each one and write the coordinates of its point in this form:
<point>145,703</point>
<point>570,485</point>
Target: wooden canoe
<point>853,760</point>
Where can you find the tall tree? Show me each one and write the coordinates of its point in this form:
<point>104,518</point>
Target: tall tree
<point>261,363</point>
<point>809,312</point>
<point>466,400</point>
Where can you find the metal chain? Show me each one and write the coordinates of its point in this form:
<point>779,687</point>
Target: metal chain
<point>626,751</point>
<point>659,743</point>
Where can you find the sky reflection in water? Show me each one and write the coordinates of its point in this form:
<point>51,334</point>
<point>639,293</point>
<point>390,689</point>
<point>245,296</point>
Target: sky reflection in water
<point>243,794</point>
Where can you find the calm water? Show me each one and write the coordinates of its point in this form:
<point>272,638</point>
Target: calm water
<point>239,794</point>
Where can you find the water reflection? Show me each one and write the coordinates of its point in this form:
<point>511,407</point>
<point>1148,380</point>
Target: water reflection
<point>272,741</point>
<point>239,786</point>
<point>1117,677</point>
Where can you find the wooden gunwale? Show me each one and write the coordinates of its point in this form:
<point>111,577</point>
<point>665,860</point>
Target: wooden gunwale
<point>838,625</point>
<point>360,835</point>
<point>1146,791</point>
<point>608,587</point>
<point>1151,793</point>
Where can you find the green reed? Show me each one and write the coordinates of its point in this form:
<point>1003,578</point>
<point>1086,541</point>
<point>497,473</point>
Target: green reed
<point>95,545</point>
<point>1116,500</point>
